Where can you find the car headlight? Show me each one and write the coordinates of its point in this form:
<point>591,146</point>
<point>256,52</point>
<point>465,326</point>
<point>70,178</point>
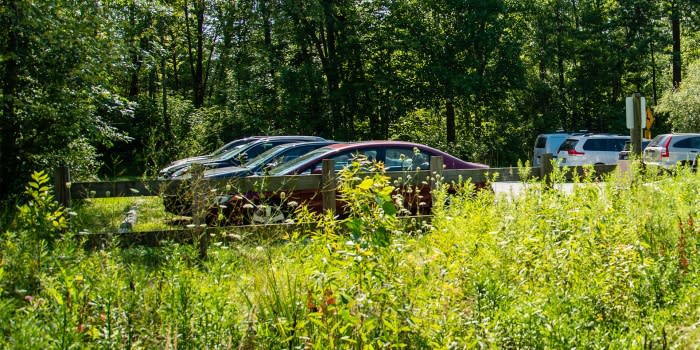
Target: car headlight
<point>181,172</point>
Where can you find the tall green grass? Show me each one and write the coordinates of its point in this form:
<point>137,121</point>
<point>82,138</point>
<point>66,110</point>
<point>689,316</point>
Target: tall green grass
<point>613,264</point>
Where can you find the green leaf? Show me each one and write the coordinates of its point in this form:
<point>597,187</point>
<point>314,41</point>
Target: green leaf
<point>366,184</point>
<point>389,208</point>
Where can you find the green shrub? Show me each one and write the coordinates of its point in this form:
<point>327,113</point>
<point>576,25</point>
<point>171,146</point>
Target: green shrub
<point>611,264</point>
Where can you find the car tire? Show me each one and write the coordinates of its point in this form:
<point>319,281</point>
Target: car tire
<point>264,214</point>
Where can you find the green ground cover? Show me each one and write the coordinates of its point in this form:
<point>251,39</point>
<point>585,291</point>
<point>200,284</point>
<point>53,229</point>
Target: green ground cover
<point>612,265</point>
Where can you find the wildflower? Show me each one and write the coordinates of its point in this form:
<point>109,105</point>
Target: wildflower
<point>310,302</point>
<point>329,298</point>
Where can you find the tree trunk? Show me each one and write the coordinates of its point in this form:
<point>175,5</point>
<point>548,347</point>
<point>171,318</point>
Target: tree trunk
<point>331,67</point>
<point>199,73</point>
<point>196,61</point>
<point>450,121</point>
<point>9,127</point>
<point>135,56</point>
<point>653,71</point>
<point>676,34</point>
<point>164,84</point>
<point>176,81</point>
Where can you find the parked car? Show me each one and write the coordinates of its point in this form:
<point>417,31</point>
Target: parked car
<point>244,153</point>
<point>670,150</point>
<point>627,149</point>
<point>549,143</point>
<point>180,203</point>
<point>269,159</point>
<point>593,149</point>
<point>396,156</point>
<point>171,168</point>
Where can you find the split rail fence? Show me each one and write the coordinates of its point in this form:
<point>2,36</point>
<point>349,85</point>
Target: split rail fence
<point>324,183</point>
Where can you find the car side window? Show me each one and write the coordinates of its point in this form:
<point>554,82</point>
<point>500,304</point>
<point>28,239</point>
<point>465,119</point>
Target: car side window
<point>594,145</point>
<point>343,160</point>
<point>401,159</point>
<point>691,142</point>
<point>568,145</point>
<point>617,145</point>
<point>541,142</point>
<point>258,149</point>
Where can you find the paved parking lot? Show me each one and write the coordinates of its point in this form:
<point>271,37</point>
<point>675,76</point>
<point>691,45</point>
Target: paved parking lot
<point>514,188</point>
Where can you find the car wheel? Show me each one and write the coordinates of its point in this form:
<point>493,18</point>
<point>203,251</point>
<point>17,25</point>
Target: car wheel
<point>267,214</point>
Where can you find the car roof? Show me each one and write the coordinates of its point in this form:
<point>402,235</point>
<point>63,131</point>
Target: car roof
<point>680,134</point>
<point>305,143</point>
<point>578,137</point>
<point>340,147</point>
<point>291,137</point>
<point>563,132</point>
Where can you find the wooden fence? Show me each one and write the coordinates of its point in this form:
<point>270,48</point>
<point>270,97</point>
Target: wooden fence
<point>325,184</point>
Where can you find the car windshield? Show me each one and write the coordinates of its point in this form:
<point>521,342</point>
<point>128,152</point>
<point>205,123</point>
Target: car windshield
<point>658,140</point>
<point>569,144</point>
<point>265,156</point>
<point>227,147</point>
<point>234,152</point>
<point>284,168</point>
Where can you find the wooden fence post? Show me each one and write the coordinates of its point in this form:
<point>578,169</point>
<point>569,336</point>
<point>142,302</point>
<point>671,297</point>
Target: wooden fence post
<point>436,167</point>
<point>546,168</point>
<point>328,185</point>
<point>61,186</point>
<point>199,210</point>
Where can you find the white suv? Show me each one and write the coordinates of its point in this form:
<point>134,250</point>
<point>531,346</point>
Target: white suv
<point>669,150</point>
<point>591,149</point>
<point>547,143</point>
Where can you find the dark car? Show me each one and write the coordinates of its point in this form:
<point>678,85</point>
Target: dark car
<point>396,156</point>
<point>627,149</point>
<point>243,153</point>
<point>269,159</point>
<point>171,168</point>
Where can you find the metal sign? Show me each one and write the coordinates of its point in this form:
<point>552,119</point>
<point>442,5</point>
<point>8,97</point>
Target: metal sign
<point>629,109</point>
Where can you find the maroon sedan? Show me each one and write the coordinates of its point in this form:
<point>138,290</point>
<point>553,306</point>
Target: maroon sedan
<point>395,155</point>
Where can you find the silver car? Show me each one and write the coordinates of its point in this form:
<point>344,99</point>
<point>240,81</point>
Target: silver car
<point>591,149</point>
<point>670,150</point>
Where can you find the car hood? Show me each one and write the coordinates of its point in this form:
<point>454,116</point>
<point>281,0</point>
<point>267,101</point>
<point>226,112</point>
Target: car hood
<point>183,163</point>
<point>227,172</point>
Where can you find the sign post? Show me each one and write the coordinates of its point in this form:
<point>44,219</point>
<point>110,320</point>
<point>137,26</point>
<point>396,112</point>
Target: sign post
<point>634,107</point>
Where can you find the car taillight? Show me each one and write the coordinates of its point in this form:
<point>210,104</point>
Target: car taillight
<point>573,152</point>
<point>664,153</point>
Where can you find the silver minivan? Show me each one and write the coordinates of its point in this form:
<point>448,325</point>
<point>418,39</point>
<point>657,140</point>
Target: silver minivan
<point>669,150</point>
<point>547,143</point>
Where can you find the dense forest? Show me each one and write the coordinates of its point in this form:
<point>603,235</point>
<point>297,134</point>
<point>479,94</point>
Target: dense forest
<point>124,86</point>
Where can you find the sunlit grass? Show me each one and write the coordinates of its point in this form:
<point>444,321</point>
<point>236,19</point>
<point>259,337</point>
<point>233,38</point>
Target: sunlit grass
<point>105,215</point>
<point>611,264</point>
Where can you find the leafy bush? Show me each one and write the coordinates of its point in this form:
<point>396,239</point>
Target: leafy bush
<point>601,266</point>
<point>683,104</point>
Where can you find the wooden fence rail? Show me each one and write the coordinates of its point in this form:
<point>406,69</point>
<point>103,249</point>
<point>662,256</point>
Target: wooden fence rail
<point>325,183</point>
